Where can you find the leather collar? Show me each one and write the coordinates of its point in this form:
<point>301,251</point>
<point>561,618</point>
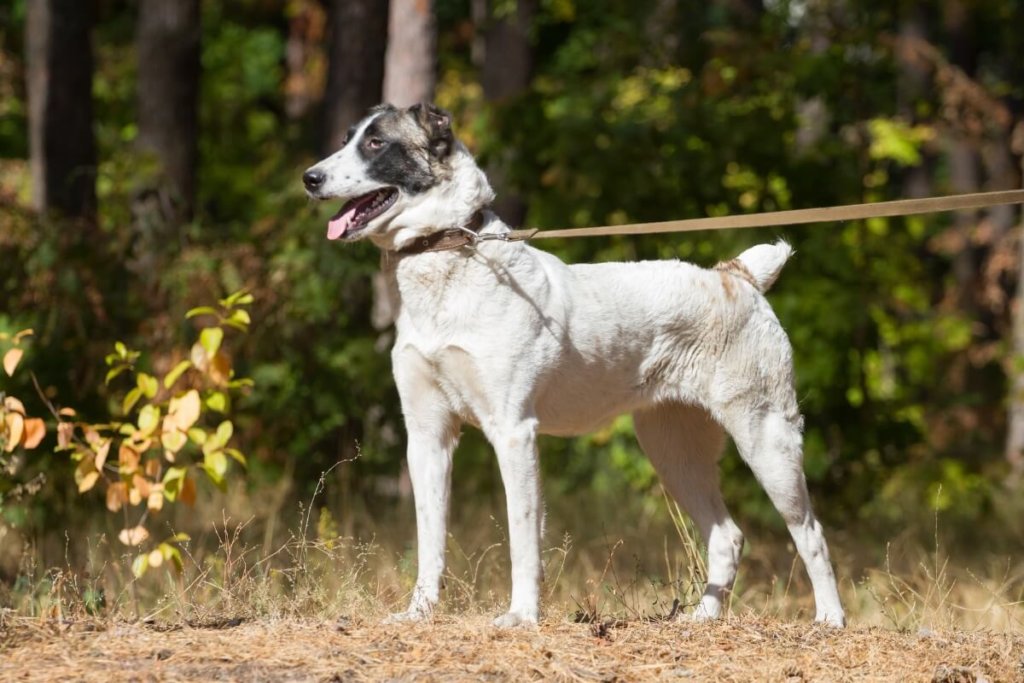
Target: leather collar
<point>452,238</point>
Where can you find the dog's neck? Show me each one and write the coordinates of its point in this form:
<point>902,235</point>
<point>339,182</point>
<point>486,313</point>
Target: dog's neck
<point>451,204</point>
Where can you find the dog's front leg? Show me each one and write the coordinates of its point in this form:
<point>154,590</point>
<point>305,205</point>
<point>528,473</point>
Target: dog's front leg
<point>516,448</point>
<point>433,433</point>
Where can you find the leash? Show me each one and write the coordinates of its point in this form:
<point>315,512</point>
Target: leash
<point>829,214</point>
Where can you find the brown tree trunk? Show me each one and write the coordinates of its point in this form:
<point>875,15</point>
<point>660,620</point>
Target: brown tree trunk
<point>410,71</point>
<point>913,84</point>
<point>167,44</point>
<point>964,159</point>
<point>59,81</point>
<point>358,32</point>
<point>505,71</point>
<point>1015,413</point>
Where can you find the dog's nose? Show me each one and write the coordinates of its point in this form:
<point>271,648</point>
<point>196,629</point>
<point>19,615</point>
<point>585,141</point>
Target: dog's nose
<point>313,179</point>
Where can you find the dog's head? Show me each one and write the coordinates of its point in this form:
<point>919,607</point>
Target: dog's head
<point>401,175</point>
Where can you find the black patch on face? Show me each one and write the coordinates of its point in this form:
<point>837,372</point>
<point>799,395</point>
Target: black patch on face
<point>407,154</point>
<point>395,162</point>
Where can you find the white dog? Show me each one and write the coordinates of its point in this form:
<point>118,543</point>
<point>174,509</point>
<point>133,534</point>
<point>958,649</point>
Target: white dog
<point>510,339</point>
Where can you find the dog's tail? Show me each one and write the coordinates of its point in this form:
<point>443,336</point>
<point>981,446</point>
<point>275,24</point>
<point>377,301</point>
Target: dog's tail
<point>762,263</point>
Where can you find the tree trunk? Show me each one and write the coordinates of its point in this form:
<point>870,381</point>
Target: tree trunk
<point>1015,417</point>
<point>410,71</point>
<point>913,85</point>
<point>505,71</point>
<point>167,43</point>
<point>964,159</point>
<point>59,82</point>
<point>355,71</point>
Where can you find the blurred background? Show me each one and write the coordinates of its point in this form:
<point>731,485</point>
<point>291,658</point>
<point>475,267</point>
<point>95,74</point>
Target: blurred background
<point>150,161</point>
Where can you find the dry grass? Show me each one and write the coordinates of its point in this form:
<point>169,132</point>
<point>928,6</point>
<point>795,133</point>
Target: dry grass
<point>469,648</point>
<point>254,604</point>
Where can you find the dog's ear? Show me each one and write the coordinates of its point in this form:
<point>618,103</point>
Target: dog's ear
<point>437,123</point>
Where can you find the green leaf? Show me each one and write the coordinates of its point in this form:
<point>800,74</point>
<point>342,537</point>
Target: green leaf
<point>171,377</point>
<point>201,310</point>
<point>175,557</point>
<point>148,384</point>
<point>149,419</point>
<point>217,461</point>
<point>130,399</point>
<point>179,537</point>
<point>122,350</point>
<point>216,477</point>
<point>238,456</point>
<point>114,372</point>
<point>241,382</point>
<point>220,439</point>
<point>140,564</point>
<point>174,478</point>
<point>210,339</point>
<point>239,319</point>
<point>217,401</point>
<point>197,435</point>
<point>241,297</point>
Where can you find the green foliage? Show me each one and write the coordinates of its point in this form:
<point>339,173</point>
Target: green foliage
<point>635,111</point>
<point>163,443</point>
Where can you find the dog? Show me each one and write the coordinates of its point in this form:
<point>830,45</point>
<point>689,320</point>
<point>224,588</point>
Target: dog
<point>494,333</point>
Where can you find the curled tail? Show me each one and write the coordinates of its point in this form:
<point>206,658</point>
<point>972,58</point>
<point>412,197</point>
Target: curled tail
<point>759,265</point>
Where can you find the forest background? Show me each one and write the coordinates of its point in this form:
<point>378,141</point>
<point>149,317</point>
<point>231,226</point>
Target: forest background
<point>150,163</point>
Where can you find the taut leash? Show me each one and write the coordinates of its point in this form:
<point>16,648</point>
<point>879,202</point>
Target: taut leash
<point>829,214</point>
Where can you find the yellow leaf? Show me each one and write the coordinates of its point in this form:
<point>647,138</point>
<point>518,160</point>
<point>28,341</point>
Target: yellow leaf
<point>11,360</point>
<point>184,410</point>
<point>133,536</point>
<point>117,495</point>
<point>35,430</point>
<point>15,428</point>
<point>156,558</point>
<point>134,497</point>
<point>172,439</point>
<point>149,418</point>
<point>88,481</point>
<point>14,405</point>
<point>142,485</point>
<point>65,432</point>
<point>128,459</point>
<point>101,454</point>
<point>156,500</point>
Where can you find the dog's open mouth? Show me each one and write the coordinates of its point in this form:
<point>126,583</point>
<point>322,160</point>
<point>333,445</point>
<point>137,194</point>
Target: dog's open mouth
<point>357,213</point>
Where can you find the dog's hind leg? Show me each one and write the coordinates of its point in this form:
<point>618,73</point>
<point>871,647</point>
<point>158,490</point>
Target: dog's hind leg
<point>684,444</point>
<point>515,445</point>
<point>772,445</point>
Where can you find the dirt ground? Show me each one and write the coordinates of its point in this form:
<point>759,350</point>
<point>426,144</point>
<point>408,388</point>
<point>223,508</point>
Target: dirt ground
<point>469,648</point>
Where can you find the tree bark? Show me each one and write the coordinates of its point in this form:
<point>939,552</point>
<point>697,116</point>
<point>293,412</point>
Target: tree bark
<point>59,81</point>
<point>410,71</point>
<point>355,71</point>
<point>1015,413</point>
<point>505,71</point>
<point>167,43</point>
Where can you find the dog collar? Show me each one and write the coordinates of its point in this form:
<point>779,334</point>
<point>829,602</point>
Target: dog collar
<point>452,238</point>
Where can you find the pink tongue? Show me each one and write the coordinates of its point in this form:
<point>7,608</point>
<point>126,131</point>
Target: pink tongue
<point>337,226</point>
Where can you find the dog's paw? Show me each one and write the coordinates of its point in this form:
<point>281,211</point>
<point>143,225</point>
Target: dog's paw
<point>516,620</point>
<point>837,620</point>
<point>408,616</point>
<point>706,611</point>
